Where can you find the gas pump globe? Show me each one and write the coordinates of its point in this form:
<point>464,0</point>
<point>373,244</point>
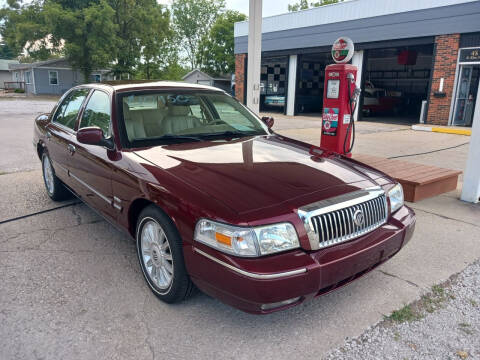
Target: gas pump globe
<point>339,100</point>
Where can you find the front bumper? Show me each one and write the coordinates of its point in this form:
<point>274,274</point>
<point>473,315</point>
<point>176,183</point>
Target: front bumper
<point>253,285</point>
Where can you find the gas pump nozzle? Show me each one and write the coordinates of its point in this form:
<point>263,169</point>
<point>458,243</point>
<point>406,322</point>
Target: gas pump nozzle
<point>356,92</point>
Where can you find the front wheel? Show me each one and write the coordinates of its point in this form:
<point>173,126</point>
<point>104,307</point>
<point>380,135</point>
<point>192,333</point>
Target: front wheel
<point>55,188</point>
<point>159,249</point>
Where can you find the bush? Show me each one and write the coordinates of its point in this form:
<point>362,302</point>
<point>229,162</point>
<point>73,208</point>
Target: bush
<point>19,91</point>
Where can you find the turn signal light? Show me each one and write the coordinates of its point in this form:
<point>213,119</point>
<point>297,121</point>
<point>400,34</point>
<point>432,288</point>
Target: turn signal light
<point>223,239</point>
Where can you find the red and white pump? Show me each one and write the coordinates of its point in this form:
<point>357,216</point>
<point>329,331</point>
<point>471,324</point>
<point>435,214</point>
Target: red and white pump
<point>340,100</point>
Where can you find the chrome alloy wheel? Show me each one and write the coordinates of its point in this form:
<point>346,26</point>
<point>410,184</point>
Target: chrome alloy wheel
<point>156,254</point>
<point>48,175</point>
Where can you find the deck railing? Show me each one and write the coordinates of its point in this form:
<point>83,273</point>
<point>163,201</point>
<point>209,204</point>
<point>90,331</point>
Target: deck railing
<point>13,85</point>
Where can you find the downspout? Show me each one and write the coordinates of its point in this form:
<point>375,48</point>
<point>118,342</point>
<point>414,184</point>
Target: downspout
<point>33,81</point>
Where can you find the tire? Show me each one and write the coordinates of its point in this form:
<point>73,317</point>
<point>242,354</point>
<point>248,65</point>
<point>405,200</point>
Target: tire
<point>160,253</point>
<point>56,190</point>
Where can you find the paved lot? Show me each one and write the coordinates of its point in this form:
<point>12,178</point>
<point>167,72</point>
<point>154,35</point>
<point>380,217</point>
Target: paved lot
<point>72,289</point>
<point>386,140</point>
<point>16,127</point>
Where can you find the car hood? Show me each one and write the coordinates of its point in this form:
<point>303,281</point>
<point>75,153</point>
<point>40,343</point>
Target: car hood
<point>254,173</point>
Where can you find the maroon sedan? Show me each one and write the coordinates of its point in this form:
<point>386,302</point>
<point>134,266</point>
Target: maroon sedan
<point>215,198</point>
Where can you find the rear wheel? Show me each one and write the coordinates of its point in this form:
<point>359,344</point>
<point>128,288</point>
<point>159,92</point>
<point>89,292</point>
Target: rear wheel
<point>159,249</point>
<point>55,188</point>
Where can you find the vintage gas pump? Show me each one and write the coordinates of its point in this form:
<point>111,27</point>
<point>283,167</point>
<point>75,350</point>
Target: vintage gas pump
<point>340,96</point>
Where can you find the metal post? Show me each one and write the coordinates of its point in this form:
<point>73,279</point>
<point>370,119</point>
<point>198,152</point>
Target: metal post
<point>471,180</point>
<point>254,55</point>
<point>357,60</point>
<point>291,84</point>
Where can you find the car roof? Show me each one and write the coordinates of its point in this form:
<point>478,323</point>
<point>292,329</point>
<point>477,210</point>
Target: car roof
<point>144,85</point>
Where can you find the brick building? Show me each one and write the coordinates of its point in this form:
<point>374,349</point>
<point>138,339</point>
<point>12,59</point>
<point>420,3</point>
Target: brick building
<point>411,55</point>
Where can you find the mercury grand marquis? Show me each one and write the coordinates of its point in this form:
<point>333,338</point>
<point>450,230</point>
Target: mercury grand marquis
<point>214,198</point>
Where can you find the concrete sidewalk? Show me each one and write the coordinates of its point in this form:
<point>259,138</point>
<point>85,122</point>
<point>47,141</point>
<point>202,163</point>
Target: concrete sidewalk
<point>384,140</point>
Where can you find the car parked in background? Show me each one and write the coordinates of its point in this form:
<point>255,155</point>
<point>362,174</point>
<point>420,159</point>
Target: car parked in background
<point>213,197</point>
<point>377,101</point>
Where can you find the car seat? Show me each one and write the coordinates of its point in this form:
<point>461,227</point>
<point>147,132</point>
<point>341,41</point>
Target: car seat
<point>179,119</point>
<point>133,124</point>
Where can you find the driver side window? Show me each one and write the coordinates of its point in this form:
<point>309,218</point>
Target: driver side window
<point>67,112</point>
<point>97,113</point>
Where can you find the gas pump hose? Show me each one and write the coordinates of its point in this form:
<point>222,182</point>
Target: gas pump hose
<point>351,125</point>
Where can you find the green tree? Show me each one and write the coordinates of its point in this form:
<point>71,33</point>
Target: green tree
<point>304,4</point>
<point>81,30</point>
<point>125,35</point>
<point>23,27</point>
<point>157,51</point>
<point>142,29</point>
<point>217,48</point>
<point>6,52</point>
<point>193,19</point>
<point>172,71</point>
<point>84,30</point>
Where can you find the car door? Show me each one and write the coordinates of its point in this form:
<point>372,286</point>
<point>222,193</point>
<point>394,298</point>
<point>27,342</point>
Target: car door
<point>92,165</point>
<point>61,132</point>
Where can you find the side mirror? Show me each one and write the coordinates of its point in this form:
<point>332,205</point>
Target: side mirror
<point>94,136</point>
<point>43,117</point>
<point>269,121</point>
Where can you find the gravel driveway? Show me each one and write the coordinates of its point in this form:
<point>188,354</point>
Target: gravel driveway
<point>450,331</point>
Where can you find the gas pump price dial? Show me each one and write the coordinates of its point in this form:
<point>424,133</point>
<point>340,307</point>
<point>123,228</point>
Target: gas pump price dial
<point>333,89</point>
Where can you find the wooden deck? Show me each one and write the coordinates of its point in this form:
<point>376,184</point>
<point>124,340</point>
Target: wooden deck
<point>419,181</point>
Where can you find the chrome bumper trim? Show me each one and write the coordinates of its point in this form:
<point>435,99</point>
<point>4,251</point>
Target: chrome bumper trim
<point>249,274</point>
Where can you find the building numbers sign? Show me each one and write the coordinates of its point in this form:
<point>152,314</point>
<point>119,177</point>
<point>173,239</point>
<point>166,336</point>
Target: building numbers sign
<point>470,55</point>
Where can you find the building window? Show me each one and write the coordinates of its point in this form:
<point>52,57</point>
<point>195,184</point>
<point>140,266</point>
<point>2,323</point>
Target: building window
<point>28,77</point>
<point>53,77</point>
<point>204,82</point>
<point>96,78</point>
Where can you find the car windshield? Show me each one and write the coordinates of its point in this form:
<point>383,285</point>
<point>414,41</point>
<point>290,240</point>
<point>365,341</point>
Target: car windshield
<point>166,117</point>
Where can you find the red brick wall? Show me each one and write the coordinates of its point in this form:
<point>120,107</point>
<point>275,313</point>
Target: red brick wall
<point>240,64</point>
<point>445,64</point>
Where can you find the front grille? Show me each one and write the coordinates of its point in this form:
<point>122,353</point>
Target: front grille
<point>339,226</point>
<point>337,220</point>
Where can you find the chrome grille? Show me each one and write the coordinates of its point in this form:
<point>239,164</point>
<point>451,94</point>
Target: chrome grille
<point>337,220</point>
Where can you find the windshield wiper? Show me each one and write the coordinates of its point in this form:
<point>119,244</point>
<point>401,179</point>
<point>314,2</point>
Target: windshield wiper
<point>231,134</point>
<point>178,137</point>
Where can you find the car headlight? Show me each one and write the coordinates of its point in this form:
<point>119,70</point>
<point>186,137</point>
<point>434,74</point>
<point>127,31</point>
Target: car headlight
<point>396,198</point>
<point>249,242</point>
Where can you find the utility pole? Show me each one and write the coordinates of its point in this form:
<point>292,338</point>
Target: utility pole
<point>254,55</point>
<point>471,180</point>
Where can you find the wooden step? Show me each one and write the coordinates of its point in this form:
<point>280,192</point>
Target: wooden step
<point>419,181</point>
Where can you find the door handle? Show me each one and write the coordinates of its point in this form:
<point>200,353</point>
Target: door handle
<point>71,149</point>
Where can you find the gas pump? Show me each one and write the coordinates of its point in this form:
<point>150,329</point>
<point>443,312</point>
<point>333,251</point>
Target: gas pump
<point>340,97</point>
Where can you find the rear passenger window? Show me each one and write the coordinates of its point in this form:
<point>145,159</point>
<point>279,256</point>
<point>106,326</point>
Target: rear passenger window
<point>67,112</point>
<point>97,112</point>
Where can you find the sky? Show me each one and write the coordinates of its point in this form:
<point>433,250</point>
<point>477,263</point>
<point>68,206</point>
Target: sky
<point>270,7</point>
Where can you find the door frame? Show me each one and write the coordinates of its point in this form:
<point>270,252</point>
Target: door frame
<point>455,83</point>
<point>463,67</point>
